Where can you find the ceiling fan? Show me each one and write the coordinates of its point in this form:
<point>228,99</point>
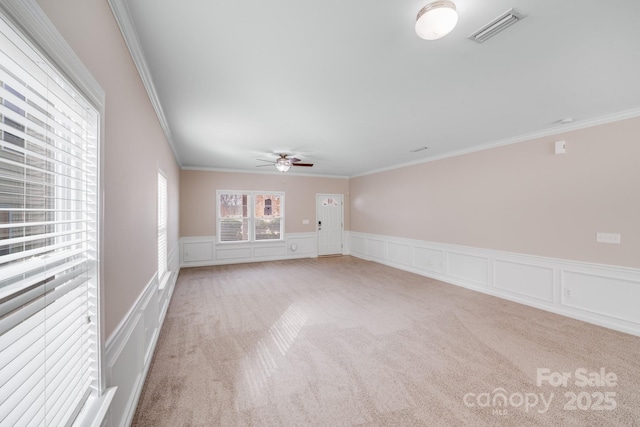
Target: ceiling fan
<point>284,162</point>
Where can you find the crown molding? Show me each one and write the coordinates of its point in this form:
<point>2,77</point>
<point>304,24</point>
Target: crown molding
<point>315,175</point>
<point>601,120</point>
<point>123,18</point>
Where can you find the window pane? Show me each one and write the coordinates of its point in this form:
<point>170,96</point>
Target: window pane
<point>267,228</point>
<point>267,205</point>
<point>233,206</point>
<point>234,230</point>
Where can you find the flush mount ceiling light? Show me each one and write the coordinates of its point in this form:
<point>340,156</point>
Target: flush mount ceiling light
<point>436,20</point>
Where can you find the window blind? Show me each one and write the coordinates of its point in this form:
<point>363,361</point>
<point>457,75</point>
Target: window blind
<point>162,225</point>
<point>48,240</point>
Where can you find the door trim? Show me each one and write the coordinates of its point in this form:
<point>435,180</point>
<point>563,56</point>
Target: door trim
<point>341,223</point>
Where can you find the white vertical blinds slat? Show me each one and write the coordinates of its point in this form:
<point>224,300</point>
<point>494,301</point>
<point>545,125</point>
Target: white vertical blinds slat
<point>48,234</point>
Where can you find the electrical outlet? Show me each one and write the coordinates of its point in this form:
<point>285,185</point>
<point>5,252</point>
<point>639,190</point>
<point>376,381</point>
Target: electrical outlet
<point>567,293</point>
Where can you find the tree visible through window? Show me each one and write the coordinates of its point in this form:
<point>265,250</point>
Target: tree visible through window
<point>234,219</point>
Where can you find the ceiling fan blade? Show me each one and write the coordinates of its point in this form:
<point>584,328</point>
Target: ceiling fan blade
<point>261,166</point>
<point>302,164</point>
<point>294,160</point>
<point>263,160</point>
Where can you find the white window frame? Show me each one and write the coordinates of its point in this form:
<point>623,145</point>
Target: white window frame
<point>251,196</point>
<point>162,219</point>
<point>39,32</point>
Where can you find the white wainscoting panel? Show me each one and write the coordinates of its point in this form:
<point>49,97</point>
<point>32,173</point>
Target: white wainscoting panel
<point>270,250</point>
<point>129,349</point>
<point>376,248</point>
<point>303,245</point>
<point>600,294</point>
<point>524,279</point>
<point>209,252</point>
<point>607,296</point>
<point>400,253</point>
<point>238,254</point>
<point>428,259</point>
<point>358,244</point>
<point>125,370</point>
<point>198,251</point>
<point>150,321</point>
<point>471,268</point>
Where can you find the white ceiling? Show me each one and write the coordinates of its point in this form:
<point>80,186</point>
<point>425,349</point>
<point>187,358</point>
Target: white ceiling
<point>349,86</point>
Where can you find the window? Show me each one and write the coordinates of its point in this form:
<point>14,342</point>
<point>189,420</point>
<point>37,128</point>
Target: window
<point>250,216</point>
<point>330,202</point>
<point>267,217</point>
<point>162,226</point>
<point>49,345</point>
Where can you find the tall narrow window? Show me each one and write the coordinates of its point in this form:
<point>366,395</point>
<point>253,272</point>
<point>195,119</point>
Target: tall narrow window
<point>233,212</point>
<point>48,240</point>
<point>267,225</point>
<point>162,226</point>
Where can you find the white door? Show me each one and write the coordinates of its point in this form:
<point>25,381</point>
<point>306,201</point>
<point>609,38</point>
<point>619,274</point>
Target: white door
<point>329,213</point>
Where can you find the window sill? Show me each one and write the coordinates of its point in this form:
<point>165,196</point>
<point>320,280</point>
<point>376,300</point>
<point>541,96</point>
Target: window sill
<point>162,283</point>
<point>95,409</point>
<point>247,242</point>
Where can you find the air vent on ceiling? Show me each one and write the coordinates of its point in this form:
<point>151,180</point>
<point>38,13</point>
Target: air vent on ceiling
<point>503,21</point>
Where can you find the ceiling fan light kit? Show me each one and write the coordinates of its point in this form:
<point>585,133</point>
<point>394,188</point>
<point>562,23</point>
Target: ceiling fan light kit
<point>284,162</point>
<point>436,20</point>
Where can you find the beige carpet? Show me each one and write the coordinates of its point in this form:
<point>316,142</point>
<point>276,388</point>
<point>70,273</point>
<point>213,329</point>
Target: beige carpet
<point>342,341</point>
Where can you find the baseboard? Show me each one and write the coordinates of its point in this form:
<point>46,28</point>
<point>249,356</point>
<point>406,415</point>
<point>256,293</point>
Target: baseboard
<point>129,349</point>
<point>600,294</point>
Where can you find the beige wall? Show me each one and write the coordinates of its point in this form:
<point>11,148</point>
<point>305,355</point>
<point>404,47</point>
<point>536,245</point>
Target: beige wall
<point>198,197</point>
<point>134,148</point>
<point>519,198</point>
